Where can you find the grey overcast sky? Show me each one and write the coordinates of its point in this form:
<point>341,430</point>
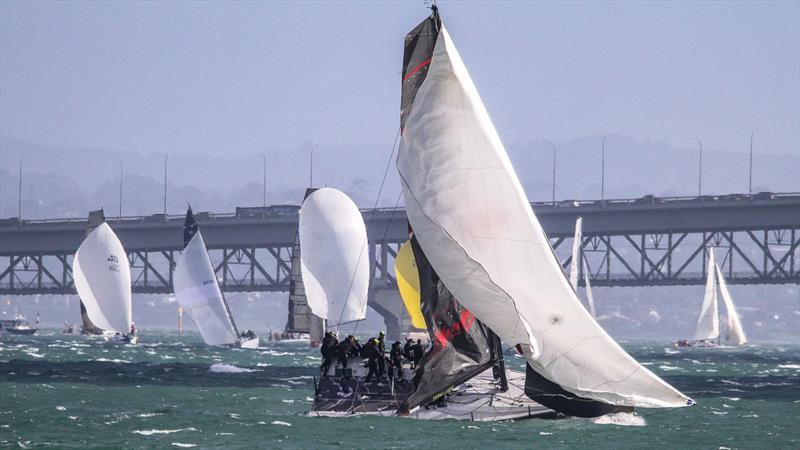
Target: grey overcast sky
<point>239,77</point>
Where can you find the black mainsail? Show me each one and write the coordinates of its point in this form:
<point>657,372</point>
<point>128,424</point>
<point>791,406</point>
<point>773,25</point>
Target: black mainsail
<point>462,347</point>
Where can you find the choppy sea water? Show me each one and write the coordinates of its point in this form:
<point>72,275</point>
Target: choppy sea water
<point>171,391</point>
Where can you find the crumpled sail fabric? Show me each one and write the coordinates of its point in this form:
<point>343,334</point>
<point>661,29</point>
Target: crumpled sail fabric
<point>735,333</point>
<point>102,277</point>
<point>576,254</point>
<point>197,291</point>
<point>708,322</point>
<point>333,257</point>
<point>405,270</point>
<point>461,346</point>
<point>477,228</point>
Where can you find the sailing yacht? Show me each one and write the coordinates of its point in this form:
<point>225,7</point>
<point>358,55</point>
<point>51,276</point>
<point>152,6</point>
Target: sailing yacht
<point>198,293</point>
<point>475,226</point>
<point>301,324</point>
<point>707,332</point>
<point>102,276</point>
<point>578,259</point>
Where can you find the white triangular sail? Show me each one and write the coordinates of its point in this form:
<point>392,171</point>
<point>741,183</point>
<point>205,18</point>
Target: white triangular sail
<point>708,323</point>
<point>102,277</point>
<point>734,333</point>
<point>472,218</point>
<point>589,295</point>
<point>333,256</point>
<point>197,291</point>
<point>576,254</point>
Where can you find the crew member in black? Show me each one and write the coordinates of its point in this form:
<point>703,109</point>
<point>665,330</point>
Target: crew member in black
<point>355,349</point>
<point>372,352</point>
<point>344,349</point>
<point>417,351</point>
<point>328,350</point>
<point>395,358</point>
<point>407,349</point>
<point>382,351</point>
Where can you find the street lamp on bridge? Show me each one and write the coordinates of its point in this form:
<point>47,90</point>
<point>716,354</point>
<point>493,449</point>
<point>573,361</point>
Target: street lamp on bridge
<point>603,170</point>
<point>19,200</point>
<point>554,171</point>
<point>264,158</point>
<point>750,183</point>
<point>700,169</point>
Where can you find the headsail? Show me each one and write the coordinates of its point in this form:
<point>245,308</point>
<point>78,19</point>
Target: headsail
<point>461,347</point>
<point>197,289</point>
<point>589,295</point>
<point>102,277</point>
<point>577,254</point>
<point>708,322</point>
<point>477,229</point>
<point>407,274</point>
<point>334,259</point>
<point>734,333</point>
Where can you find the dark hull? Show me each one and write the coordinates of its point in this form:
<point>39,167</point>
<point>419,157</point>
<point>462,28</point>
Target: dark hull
<point>353,395</point>
<point>23,331</point>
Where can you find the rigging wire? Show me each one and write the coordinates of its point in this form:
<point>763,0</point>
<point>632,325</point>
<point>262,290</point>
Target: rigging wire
<point>369,225</point>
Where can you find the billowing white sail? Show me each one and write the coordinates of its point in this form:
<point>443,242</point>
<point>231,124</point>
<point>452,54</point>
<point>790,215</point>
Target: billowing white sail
<point>708,322</point>
<point>102,277</point>
<point>576,254</point>
<point>589,295</point>
<point>735,333</point>
<point>473,220</point>
<point>333,256</point>
<point>197,291</point>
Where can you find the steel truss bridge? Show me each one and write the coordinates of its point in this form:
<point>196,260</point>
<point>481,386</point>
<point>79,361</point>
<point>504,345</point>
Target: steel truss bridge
<point>641,242</point>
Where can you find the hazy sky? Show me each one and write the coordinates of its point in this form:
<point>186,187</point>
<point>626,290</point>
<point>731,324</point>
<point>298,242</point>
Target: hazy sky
<point>236,78</point>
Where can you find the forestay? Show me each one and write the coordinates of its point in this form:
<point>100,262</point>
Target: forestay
<point>333,256</point>
<point>477,228</point>
<point>102,277</point>
<point>197,291</point>
<point>735,332</point>
<point>708,322</point>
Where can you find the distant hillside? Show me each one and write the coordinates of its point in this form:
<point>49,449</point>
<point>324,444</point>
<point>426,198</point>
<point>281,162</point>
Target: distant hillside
<point>67,182</point>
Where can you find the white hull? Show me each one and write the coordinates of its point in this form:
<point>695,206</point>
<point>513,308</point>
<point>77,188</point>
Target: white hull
<point>249,343</point>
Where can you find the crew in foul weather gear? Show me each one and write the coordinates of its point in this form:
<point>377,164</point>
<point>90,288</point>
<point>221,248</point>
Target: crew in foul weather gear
<point>382,351</point>
<point>344,350</point>
<point>373,354</point>
<point>416,353</point>
<point>328,350</point>
<point>396,361</point>
<point>407,349</point>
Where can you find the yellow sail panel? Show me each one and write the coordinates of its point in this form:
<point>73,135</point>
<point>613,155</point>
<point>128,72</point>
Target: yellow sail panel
<point>405,268</point>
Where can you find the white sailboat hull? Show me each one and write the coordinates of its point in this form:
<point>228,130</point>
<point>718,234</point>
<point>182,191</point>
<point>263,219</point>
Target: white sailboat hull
<point>249,343</point>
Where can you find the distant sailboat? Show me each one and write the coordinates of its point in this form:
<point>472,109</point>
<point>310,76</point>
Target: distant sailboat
<point>102,276</point>
<point>333,257</point>
<point>301,321</point>
<point>480,235</point>
<point>198,293</point>
<point>707,331</point>
<point>578,258</point>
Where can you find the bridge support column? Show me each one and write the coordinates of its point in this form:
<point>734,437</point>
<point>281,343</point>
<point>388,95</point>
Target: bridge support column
<point>395,317</point>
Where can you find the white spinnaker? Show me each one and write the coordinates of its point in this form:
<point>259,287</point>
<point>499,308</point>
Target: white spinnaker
<point>576,254</point>
<point>589,295</point>
<point>708,322</point>
<point>333,256</point>
<point>102,277</point>
<point>197,291</point>
<point>735,333</point>
<point>471,216</point>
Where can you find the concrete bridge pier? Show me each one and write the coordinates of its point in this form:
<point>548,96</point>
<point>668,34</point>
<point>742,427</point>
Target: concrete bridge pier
<point>389,305</point>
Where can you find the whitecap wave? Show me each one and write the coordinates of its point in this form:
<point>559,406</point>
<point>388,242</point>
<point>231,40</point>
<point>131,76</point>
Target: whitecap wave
<point>156,431</point>
<point>183,445</point>
<point>622,419</point>
<point>280,422</point>
<point>228,368</point>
